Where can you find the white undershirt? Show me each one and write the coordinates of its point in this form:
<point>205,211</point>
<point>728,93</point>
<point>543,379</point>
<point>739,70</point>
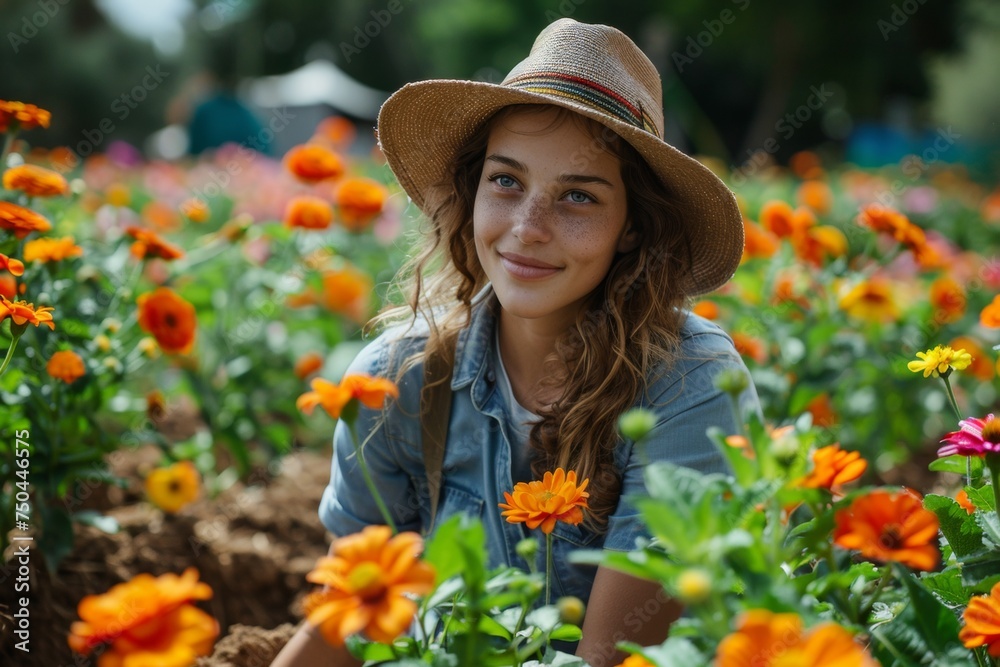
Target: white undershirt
<point>521,421</point>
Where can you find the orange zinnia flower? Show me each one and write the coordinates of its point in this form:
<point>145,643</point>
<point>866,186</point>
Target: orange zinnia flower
<point>707,309</point>
<point>882,219</point>
<point>359,201</point>
<point>35,181</point>
<point>982,622</point>
<point>981,366</point>
<point>750,347</point>
<point>806,164</point>
<point>780,219</point>
<point>556,498</point>
<point>22,221</point>
<point>15,266</point>
<point>195,210</point>
<point>766,639</point>
<point>66,365</point>
<point>22,116</point>
<point>370,391</point>
<point>169,318</point>
<point>367,580</point>
<point>51,250</point>
<point>822,410</point>
<point>22,312</point>
<point>814,244</point>
<point>335,130</point>
<point>816,195</point>
<point>948,299</point>
<point>635,660</point>
<point>312,163</point>
<point>150,244</point>
<point>990,316</point>
<point>8,286</point>
<point>161,216</point>
<point>890,527</point>
<point>308,363</point>
<point>308,212</point>
<point>871,300</point>
<point>173,487</point>
<point>757,241</point>
<point>833,467</point>
<point>147,621</point>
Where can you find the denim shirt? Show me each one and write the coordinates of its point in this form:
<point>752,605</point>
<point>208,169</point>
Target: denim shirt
<point>477,463</point>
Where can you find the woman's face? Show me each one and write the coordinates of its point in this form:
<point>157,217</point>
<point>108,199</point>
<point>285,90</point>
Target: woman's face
<point>549,216</point>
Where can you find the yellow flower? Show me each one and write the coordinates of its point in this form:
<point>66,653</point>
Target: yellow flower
<point>51,250</point>
<point>939,361</point>
<point>173,487</point>
<point>872,301</point>
<point>149,347</point>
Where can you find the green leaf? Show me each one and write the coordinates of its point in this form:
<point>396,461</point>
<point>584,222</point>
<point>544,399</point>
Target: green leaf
<point>441,549</point>
<point>958,526</point>
<point>991,526</point>
<point>566,633</point>
<point>675,652</point>
<point>982,497</point>
<point>980,572</point>
<point>947,585</point>
<point>957,463</point>
<point>490,627</point>
<point>56,540</point>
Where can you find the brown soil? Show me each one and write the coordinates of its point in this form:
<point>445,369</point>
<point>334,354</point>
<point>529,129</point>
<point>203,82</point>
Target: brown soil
<point>253,544</point>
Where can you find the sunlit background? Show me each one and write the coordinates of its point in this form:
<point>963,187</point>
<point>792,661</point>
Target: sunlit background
<point>893,77</point>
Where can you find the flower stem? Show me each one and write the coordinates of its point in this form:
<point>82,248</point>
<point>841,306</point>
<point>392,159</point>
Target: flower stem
<point>369,482</point>
<point>10,354</point>
<point>951,397</point>
<point>993,463</point>
<point>548,569</point>
<point>7,145</point>
<point>866,609</point>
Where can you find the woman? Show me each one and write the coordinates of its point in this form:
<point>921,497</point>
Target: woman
<point>565,240</point>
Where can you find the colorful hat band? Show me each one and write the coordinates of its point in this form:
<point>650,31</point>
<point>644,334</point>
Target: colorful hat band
<point>585,92</point>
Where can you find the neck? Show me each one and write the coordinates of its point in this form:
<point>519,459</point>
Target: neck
<point>524,345</point>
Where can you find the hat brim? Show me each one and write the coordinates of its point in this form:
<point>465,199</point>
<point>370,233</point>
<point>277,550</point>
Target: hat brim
<point>422,126</point>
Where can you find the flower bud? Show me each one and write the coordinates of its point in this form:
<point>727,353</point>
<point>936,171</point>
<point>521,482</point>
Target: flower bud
<point>527,549</point>
<point>102,342</point>
<point>694,586</point>
<point>113,364</point>
<point>149,347</point>
<point>112,324</point>
<point>733,381</point>
<point>636,423</point>
<point>785,444</point>
<point>571,609</point>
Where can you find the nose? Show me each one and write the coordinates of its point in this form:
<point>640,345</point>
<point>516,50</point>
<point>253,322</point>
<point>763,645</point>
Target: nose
<point>533,219</point>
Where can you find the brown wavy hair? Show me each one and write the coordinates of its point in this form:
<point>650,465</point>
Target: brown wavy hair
<point>628,329</point>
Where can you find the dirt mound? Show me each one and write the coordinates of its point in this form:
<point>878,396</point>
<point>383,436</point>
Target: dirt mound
<point>253,544</point>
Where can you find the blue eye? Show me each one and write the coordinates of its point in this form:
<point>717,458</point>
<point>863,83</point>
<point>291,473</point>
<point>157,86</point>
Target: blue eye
<point>578,197</point>
<point>503,180</point>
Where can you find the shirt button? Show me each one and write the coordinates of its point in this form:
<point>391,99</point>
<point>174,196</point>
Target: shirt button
<point>491,376</point>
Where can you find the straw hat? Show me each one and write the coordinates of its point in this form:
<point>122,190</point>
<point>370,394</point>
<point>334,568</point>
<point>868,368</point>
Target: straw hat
<point>598,72</point>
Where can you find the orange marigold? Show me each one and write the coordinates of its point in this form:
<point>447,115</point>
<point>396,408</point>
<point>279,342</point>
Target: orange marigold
<point>890,527</point>
<point>367,580</point>
<point>307,364</point>
<point>22,313</point>
<point>312,163</point>
<point>18,115</point>
<point>15,266</point>
<point>883,219</point>
<point>195,210</point>
<point>51,250</point>
<point>816,195</point>
<point>822,410</point>
<point>359,201</point>
<point>766,639</point>
<point>147,621</point>
<point>948,299</point>
<point>990,315</point>
<point>780,219</point>
<point>173,487</point>
<point>22,221</point>
<point>707,309</point>
<point>750,347</point>
<point>757,241</point>
<point>169,318</point>
<point>35,181</point>
<point>834,467</point>
<point>66,365</point>
<point>8,286</point>
<point>308,212</point>
<point>814,244</point>
<point>150,244</point>
<point>982,622</point>
<point>542,503</point>
<point>871,300</point>
<point>370,391</point>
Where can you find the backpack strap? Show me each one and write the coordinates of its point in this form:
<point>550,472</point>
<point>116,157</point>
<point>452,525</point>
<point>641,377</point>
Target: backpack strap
<point>434,424</point>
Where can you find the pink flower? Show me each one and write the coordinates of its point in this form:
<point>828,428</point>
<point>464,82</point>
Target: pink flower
<point>976,437</point>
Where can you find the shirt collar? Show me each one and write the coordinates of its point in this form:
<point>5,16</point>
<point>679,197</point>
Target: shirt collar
<point>473,343</point>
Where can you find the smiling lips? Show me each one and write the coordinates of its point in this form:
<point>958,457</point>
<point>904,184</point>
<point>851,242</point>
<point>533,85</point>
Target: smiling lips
<point>526,268</point>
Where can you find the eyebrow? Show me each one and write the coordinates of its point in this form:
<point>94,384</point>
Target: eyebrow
<point>563,178</point>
